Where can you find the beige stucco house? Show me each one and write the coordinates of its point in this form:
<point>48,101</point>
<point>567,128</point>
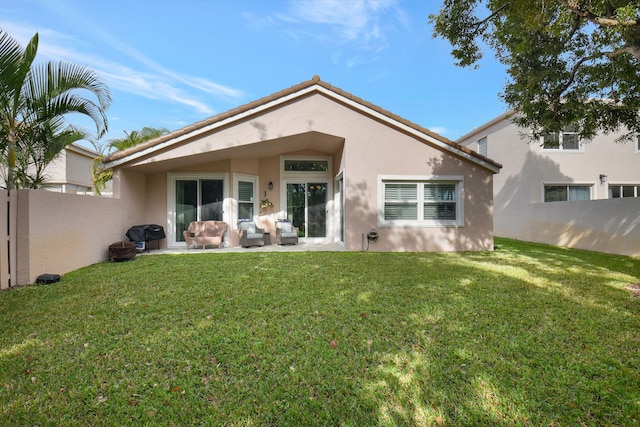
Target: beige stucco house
<point>560,167</point>
<point>70,171</point>
<point>336,165</point>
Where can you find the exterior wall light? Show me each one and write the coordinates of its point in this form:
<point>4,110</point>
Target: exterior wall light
<point>603,178</point>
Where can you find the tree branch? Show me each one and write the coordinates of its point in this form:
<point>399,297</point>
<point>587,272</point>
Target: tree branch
<point>598,20</point>
<point>635,51</point>
<point>632,50</point>
<point>493,15</point>
<point>574,71</point>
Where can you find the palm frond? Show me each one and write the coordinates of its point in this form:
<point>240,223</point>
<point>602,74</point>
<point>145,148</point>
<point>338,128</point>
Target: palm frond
<point>15,64</point>
<point>57,89</point>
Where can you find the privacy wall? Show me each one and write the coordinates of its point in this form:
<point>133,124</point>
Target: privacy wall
<point>58,233</point>
<point>610,225</point>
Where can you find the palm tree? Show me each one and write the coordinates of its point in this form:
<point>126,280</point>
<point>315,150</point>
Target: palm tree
<point>100,174</point>
<point>135,137</point>
<point>34,99</point>
<point>35,152</point>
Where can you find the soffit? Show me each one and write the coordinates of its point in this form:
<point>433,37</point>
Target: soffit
<point>303,89</point>
<point>310,141</point>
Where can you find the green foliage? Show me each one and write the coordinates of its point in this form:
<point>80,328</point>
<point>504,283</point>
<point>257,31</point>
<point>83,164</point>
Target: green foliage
<point>526,335</point>
<point>568,62</point>
<point>135,137</point>
<point>34,101</point>
<point>100,174</point>
<point>35,152</point>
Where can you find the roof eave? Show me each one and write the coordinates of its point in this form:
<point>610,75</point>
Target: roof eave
<point>502,117</point>
<point>284,96</point>
<point>160,143</point>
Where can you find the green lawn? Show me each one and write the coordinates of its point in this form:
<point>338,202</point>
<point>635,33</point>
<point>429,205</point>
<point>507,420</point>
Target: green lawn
<point>526,335</point>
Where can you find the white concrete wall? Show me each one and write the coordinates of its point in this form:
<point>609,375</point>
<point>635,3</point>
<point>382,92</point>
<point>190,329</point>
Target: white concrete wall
<point>519,208</point>
<point>611,226</point>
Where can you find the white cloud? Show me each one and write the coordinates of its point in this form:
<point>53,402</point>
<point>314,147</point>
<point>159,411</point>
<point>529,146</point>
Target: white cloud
<point>361,24</point>
<point>440,130</point>
<point>142,77</point>
<point>149,86</point>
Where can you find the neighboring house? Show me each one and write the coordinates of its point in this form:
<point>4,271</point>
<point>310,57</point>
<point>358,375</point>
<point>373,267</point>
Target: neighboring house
<point>70,171</point>
<point>334,164</point>
<point>558,167</point>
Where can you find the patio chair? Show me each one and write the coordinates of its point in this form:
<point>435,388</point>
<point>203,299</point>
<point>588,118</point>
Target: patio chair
<point>286,233</point>
<point>203,233</point>
<point>250,233</point>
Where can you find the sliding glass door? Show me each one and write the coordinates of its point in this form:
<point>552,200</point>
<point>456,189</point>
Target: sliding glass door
<point>194,199</point>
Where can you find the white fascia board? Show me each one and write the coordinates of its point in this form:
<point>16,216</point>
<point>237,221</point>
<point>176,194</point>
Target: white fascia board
<point>84,151</point>
<point>293,95</point>
<point>502,117</point>
<point>210,127</point>
<point>410,130</point>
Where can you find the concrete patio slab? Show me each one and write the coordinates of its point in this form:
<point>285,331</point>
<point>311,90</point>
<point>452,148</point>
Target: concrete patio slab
<point>300,247</point>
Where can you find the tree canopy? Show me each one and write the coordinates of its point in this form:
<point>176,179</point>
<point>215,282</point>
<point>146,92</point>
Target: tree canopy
<point>569,62</point>
<point>102,175</point>
<point>34,102</point>
<point>135,137</point>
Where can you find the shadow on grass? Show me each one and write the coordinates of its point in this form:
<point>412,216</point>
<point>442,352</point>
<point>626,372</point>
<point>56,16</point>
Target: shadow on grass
<point>530,342</point>
<point>527,334</point>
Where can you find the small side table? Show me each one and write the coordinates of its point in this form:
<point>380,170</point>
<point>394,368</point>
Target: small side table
<point>267,238</point>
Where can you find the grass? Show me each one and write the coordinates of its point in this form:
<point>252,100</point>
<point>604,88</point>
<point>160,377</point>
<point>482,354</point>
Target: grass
<point>525,335</point>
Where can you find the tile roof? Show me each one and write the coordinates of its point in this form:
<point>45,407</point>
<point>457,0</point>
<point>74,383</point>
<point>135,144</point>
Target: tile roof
<point>281,94</point>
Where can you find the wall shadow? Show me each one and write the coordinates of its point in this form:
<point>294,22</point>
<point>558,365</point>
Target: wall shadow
<point>476,234</point>
<point>606,225</point>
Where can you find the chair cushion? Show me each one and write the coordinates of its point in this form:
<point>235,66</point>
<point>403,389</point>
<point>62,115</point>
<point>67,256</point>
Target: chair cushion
<point>249,226</point>
<point>207,228</point>
<point>285,227</point>
<point>289,234</point>
<point>254,235</point>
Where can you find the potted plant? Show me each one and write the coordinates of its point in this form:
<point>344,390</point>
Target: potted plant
<point>264,204</point>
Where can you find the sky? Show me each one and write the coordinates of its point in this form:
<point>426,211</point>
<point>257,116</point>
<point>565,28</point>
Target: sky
<point>171,63</point>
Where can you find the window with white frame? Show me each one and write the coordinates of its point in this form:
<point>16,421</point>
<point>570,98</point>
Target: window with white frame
<point>482,146</point>
<point>421,202</point>
<point>245,200</point>
<point>245,194</point>
<point>305,165</point>
<point>566,139</point>
<point>566,193</point>
<point>617,191</point>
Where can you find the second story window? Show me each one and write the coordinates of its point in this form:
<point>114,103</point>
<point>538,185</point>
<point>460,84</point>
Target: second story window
<point>566,139</point>
<point>566,193</point>
<point>482,146</point>
<point>618,191</point>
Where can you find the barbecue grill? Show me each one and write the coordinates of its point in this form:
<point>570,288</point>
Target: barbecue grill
<point>146,233</point>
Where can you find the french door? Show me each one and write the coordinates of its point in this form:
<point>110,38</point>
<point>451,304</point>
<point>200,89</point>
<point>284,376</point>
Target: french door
<point>306,207</point>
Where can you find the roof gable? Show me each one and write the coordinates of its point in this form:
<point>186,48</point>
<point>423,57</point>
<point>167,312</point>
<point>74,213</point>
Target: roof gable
<point>287,95</point>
